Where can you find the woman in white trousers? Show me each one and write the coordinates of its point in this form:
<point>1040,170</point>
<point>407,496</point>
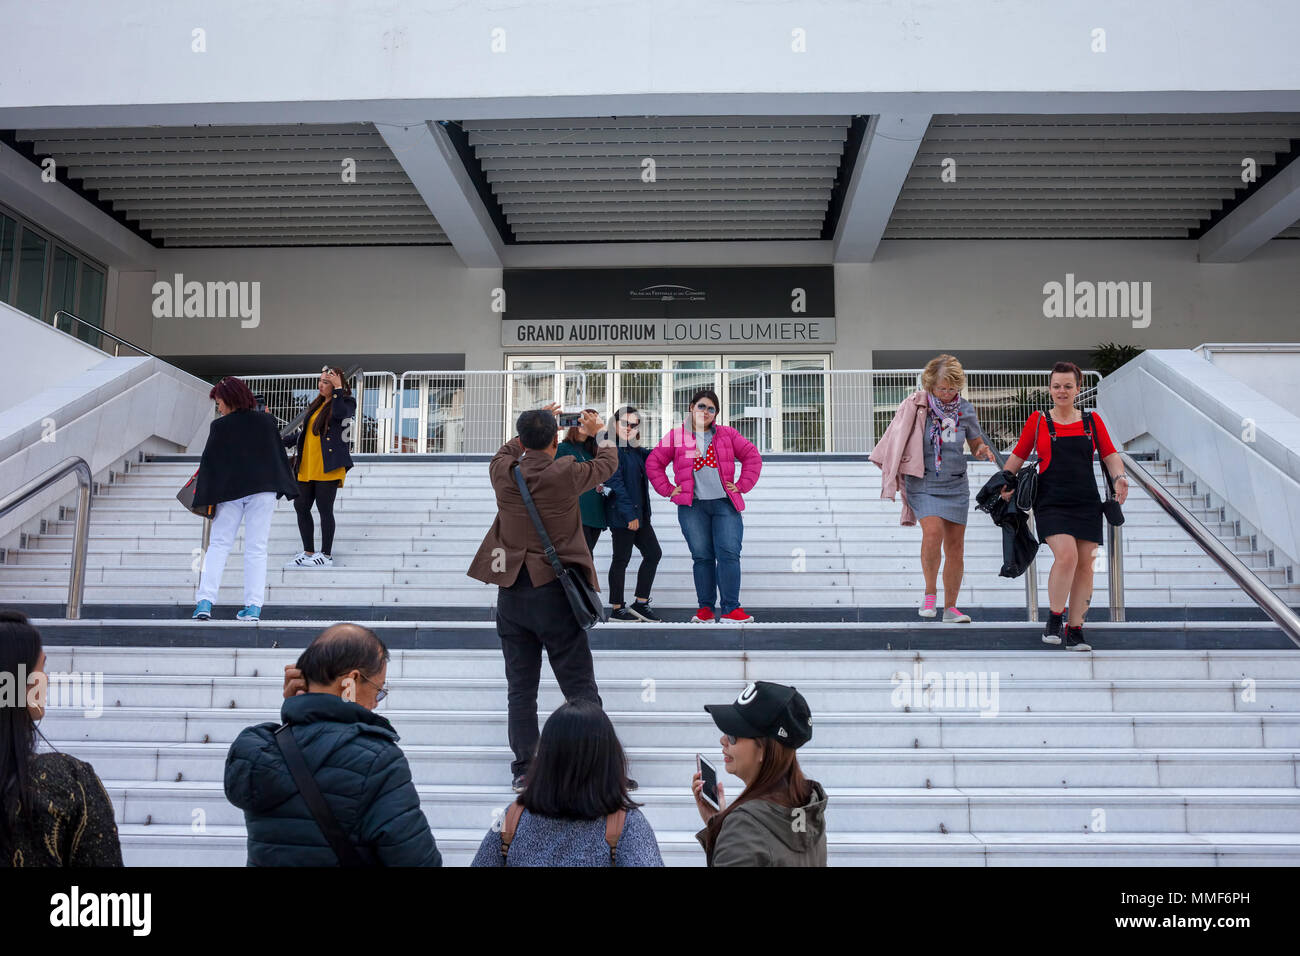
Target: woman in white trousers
<point>242,472</point>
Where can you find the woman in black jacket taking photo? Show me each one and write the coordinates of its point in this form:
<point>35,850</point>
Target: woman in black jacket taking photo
<point>323,460</point>
<point>242,472</point>
<point>627,509</point>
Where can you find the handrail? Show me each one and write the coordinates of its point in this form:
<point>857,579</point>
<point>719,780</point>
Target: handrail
<point>92,325</point>
<point>77,580</point>
<point>354,372</point>
<point>1246,579</point>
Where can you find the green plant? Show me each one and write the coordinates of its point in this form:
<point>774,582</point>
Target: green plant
<point>1109,356</point>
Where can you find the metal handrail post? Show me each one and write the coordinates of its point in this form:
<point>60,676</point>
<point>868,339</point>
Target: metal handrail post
<point>81,536</point>
<point>1031,577</point>
<point>1116,572</point>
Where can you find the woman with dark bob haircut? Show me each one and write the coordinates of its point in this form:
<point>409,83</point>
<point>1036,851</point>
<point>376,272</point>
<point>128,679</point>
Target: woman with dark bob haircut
<point>574,809</point>
<point>53,808</point>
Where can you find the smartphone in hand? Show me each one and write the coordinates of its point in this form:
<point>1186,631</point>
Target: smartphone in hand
<point>709,778</point>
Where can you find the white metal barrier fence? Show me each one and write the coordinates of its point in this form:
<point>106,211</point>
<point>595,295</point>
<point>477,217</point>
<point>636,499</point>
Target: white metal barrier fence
<point>796,411</point>
<point>371,431</point>
<point>799,411</point>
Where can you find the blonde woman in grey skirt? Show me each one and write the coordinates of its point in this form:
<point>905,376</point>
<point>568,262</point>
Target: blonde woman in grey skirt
<point>941,499</point>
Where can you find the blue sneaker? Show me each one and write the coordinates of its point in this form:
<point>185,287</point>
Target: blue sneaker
<point>250,613</point>
<point>202,611</point>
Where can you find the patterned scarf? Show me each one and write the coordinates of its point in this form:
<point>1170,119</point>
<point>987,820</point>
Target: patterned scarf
<point>943,421</point>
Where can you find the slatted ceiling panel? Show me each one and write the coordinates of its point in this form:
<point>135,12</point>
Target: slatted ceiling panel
<point>1082,177</point>
<point>247,185</point>
<point>717,178</point>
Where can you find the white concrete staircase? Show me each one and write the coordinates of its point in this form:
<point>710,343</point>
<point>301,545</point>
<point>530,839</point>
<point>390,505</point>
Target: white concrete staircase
<point>817,534</point>
<point>1109,758</point>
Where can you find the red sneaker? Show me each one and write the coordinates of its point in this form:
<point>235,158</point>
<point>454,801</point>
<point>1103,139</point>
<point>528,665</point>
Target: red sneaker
<point>738,616</point>
<point>703,616</point>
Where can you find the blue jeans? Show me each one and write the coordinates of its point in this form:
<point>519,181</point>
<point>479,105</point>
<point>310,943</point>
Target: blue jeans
<point>713,529</point>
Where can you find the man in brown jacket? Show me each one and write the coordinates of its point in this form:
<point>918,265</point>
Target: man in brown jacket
<point>532,611</point>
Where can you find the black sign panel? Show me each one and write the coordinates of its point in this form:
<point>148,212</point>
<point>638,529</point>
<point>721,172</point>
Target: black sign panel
<point>743,292</point>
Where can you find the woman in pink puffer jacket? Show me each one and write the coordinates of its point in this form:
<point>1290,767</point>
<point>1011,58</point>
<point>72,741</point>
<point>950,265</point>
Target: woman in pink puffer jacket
<point>708,494</point>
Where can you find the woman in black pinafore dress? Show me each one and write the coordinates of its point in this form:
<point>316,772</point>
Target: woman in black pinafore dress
<point>1067,511</point>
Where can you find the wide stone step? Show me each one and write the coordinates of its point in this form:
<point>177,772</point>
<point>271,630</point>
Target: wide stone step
<point>227,846</point>
<point>172,660</point>
<point>878,767</point>
<point>879,811</point>
<point>947,723</point>
<point>1264,695</point>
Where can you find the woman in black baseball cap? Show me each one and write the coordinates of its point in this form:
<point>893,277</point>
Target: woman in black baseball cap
<point>780,817</point>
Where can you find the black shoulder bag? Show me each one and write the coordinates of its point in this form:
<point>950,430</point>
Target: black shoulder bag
<point>1110,507</point>
<point>1026,494</point>
<point>344,849</point>
<point>588,608</point>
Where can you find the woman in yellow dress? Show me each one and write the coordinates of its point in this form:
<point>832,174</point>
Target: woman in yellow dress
<point>323,460</point>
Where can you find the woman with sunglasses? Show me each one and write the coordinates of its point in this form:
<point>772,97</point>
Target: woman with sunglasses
<point>709,495</point>
<point>323,460</point>
<point>780,817</point>
<point>627,508</point>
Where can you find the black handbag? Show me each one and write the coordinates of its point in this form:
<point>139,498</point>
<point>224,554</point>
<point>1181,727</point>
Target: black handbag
<point>186,497</point>
<point>588,608</point>
<point>348,853</point>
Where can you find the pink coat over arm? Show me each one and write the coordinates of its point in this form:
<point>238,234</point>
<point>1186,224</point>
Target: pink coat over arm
<point>901,451</point>
<point>678,447</point>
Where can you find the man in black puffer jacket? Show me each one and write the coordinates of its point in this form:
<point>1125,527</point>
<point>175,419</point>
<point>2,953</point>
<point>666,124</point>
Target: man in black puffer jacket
<point>352,754</point>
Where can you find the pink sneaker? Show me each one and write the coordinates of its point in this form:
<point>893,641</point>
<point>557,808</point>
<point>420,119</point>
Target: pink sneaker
<point>927,606</point>
<point>953,616</point>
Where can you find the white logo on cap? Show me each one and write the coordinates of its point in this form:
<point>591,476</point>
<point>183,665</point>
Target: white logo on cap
<point>748,694</point>
<point>780,732</point>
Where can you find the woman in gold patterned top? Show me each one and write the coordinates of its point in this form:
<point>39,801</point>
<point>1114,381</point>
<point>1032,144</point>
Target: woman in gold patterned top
<point>323,460</point>
<point>53,808</point>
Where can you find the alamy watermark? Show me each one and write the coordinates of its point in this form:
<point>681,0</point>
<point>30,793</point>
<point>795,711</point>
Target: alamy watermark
<point>1085,299</point>
<point>71,689</point>
<point>960,690</point>
<point>178,299</point>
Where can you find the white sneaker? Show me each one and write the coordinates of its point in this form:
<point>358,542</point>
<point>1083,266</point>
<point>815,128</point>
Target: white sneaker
<point>299,560</point>
<point>320,560</point>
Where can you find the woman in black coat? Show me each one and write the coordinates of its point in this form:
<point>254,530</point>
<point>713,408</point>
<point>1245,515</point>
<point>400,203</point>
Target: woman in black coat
<point>242,472</point>
<point>627,509</point>
<point>323,461</point>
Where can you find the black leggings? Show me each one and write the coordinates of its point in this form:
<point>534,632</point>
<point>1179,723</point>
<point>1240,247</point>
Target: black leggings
<point>321,492</point>
<point>592,535</point>
<point>645,541</point>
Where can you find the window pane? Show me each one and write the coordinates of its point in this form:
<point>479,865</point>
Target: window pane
<point>31,274</point>
<point>8,252</point>
<point>90,305</point>
<point>63,289</point>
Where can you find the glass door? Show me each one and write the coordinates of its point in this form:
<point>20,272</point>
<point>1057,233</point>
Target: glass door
<point>801,414</point>
<point>748,401</point>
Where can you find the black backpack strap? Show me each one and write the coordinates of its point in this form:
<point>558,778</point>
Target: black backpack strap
<point>320,810</point>
<point>547,546</point>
